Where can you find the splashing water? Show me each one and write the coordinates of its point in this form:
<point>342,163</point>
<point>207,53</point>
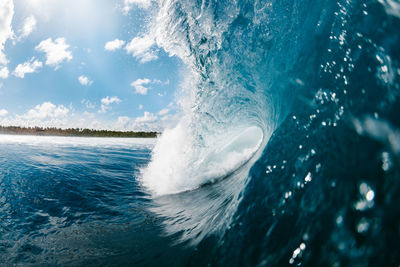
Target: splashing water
<point>287,151</point>
<point>291,181</point>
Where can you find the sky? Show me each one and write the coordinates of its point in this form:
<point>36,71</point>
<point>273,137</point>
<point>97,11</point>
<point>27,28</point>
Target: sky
<point>84,64</point>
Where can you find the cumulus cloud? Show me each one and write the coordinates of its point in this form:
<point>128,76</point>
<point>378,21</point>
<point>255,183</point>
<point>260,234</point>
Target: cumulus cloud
<point>107,101</point>
<point>60,116</point>
<point>85,81</point>
<point>56,52</point>
<point>140,107</point>
<point>140,87</point>
<point>163,112</point>
<point>110,100</point>
<point>151,122</point>
<point>4,72</point>
<point>47,110</point>
<point>147,122</point>
<point>123,122</point>
<point>128,4</point>
<point>114,45</point>
<point>146,118</point>
<point>6,32</point>
<point>28,27</point>
<point>27,67</point>
<point>142,48</point>
<point>88,104</point>
<point>3,112</point>
<point>50,115</point>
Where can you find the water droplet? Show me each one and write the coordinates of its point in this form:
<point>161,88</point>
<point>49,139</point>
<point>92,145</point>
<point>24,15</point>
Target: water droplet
<point>370,195</point>
<point>308,177</point>
<point>339,220</point>
<point>318,167</point>
<point>363,188</point>
<point>386,161</point>
<point>362,226</point>
<point>296,252</point>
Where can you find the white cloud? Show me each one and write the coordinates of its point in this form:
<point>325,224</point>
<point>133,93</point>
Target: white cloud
<point>85,81</point>
<point>147,122</point>
<point>161,82</point>
<point>3,112</point>
<point>139,86</point>
<point>27,67</point>
<point>6,32</point>
<point>140,107</point>
<point>114,45</point>
<point>45,111</point>
<point>142,48</point>
<point>88,104</point>
<point>56,52</point>
<point>146,118</point>
<point>28,27</point>
<point>51,115</point>
<point>123,123</point>
<point>107,101</point>
<point>163,112</point>
<point>128,4</point>
<point>110,100</point>
<point>4,73</point>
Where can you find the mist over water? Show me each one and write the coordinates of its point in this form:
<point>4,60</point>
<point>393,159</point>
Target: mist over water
<point>287,152</point>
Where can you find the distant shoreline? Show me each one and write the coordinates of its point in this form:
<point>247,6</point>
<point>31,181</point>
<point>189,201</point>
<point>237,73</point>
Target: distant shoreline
<point>78,132</point>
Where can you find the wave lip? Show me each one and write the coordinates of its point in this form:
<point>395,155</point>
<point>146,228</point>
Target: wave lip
<point>175,168</point>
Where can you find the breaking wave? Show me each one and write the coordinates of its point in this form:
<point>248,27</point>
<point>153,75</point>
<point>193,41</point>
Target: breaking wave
<point>289,135</point>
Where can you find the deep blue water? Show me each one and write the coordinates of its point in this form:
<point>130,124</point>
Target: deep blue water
<point>71,200</point>
<point>286,153</point>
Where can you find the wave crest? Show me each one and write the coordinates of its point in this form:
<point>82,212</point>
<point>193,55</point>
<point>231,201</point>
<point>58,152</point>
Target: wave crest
<point>237,78</point>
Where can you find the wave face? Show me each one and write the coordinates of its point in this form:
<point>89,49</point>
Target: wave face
<point>242,58</point>
<point>287,150</point>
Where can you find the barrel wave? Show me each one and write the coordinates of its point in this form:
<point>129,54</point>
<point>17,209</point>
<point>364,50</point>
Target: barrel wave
<point>241,59</point>
<point>286,151</point>
<point>288,145</point>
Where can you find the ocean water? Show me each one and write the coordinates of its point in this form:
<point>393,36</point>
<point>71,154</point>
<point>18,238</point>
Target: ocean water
<point>286,153</point>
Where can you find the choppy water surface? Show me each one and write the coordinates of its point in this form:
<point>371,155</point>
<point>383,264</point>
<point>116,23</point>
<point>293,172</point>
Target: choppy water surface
<point>287,152</point>
<point>72,200</point>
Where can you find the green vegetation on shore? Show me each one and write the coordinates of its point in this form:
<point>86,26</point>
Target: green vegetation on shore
<point>16,130</point>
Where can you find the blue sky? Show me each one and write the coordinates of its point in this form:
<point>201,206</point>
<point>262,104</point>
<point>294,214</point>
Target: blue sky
<point>87,64</point>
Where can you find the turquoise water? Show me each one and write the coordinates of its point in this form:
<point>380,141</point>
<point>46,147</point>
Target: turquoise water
<point>286,153</point>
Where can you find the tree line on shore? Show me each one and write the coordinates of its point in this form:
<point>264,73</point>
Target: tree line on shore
<point>52,131</point>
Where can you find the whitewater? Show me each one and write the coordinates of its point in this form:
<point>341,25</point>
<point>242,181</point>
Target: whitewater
<point>286,151</point>
<point>289,135</point>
